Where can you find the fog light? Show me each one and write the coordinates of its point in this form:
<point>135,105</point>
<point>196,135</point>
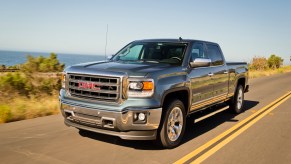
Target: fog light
<point>141,116</point>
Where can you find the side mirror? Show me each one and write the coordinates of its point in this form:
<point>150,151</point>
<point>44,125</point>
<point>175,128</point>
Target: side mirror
<point>200,62</point>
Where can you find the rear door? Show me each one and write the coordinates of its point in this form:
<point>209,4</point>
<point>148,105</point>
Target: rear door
<point>219,72</point>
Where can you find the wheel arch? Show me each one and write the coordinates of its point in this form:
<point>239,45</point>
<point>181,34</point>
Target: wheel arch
<point>181,93</point>
<point>241,81</point>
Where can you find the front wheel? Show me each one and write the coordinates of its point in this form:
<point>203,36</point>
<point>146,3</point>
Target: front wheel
<point>236,104</point>
<point>172,125</point>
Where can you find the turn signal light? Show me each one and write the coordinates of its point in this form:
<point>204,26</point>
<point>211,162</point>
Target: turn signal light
<point>148,85</point>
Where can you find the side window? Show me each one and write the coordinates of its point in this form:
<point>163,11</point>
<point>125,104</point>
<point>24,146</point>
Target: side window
<point>214,54</point>
<point>198,51</point>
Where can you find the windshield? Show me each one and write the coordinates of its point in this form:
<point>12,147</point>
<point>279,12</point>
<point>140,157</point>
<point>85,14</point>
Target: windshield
<point>171,53</point>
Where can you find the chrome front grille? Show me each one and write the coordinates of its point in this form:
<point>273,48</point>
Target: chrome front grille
<point>93,87</point>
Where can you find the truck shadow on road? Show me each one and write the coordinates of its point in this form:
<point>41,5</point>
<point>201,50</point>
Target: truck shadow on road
<point>193,130</point>
<point>141,145</point>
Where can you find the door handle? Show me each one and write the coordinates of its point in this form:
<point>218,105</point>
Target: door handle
<point>210,74</point>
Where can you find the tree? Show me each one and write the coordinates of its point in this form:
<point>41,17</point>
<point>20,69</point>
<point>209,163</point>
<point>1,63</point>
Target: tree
<point>275,62</point>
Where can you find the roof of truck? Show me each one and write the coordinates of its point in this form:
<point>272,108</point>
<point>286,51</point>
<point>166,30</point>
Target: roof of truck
<point>172,40</point>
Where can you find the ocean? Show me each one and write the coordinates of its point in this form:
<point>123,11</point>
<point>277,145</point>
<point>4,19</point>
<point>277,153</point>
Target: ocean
<point>10,58</point>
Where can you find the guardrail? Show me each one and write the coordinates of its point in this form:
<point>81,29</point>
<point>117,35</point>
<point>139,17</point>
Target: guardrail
<point>9,70</point>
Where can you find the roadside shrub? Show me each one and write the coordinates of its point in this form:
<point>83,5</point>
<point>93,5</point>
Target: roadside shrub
<point>259,63</point>
<point>31,92</point>
<point>42,64</point>
<point>15,82</point>
<point>48,86</point>
<point>13,67</point>
<point>275,62</point>
<point>5,113</point>
<point>37,76</point>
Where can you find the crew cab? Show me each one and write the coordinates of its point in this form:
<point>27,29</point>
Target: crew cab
<point>147,90</point>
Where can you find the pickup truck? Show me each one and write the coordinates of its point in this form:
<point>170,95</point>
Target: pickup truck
<point>147,90</point>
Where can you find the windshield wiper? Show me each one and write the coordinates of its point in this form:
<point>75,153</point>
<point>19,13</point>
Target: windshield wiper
<point>149,60</point>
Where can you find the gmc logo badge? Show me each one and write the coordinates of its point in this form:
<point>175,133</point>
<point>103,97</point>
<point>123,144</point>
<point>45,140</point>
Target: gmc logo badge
<point>88,85</point>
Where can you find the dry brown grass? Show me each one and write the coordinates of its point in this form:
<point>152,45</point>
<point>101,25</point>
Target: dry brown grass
<point>269,72</point>
<point>21,108</point>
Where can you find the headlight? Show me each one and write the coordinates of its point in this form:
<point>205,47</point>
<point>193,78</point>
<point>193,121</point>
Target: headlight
<point>136,85</point>
<point>140,87</point>
<point>63,79</point>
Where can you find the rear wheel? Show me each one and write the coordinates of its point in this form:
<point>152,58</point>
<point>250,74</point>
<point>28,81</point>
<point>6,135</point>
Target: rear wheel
<point>173,125</point>
<point>237,102</point>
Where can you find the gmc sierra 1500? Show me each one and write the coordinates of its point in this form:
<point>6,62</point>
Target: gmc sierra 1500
<point>147,90</point>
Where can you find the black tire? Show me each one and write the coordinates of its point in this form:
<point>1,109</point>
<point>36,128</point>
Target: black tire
<point>172,129</point>
<point>237,102</point>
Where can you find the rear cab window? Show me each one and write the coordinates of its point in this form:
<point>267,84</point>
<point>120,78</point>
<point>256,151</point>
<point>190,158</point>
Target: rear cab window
<point>214,53</point>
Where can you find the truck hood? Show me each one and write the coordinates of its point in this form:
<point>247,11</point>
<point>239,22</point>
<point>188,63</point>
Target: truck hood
<point>137,68</point>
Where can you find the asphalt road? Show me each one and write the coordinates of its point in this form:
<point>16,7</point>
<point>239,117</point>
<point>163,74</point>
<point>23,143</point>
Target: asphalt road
<point>48,140</point>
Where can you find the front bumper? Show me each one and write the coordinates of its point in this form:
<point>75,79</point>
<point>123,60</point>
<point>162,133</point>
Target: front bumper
<point>114,123</point>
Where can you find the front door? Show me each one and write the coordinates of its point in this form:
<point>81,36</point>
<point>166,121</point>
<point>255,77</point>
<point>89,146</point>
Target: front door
<point>201,82</point>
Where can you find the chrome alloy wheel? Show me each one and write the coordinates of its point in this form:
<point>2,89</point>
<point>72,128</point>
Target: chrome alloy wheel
<point>175,124</point>
<point>239,99</point>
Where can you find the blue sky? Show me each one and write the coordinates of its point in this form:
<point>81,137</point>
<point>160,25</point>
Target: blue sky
<point>243,28</point>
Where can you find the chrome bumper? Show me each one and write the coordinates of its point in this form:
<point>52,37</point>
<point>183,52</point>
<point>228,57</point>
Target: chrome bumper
<point>119,124</point>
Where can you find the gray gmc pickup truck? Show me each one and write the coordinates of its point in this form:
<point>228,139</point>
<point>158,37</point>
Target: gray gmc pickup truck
<point>148,88</point>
